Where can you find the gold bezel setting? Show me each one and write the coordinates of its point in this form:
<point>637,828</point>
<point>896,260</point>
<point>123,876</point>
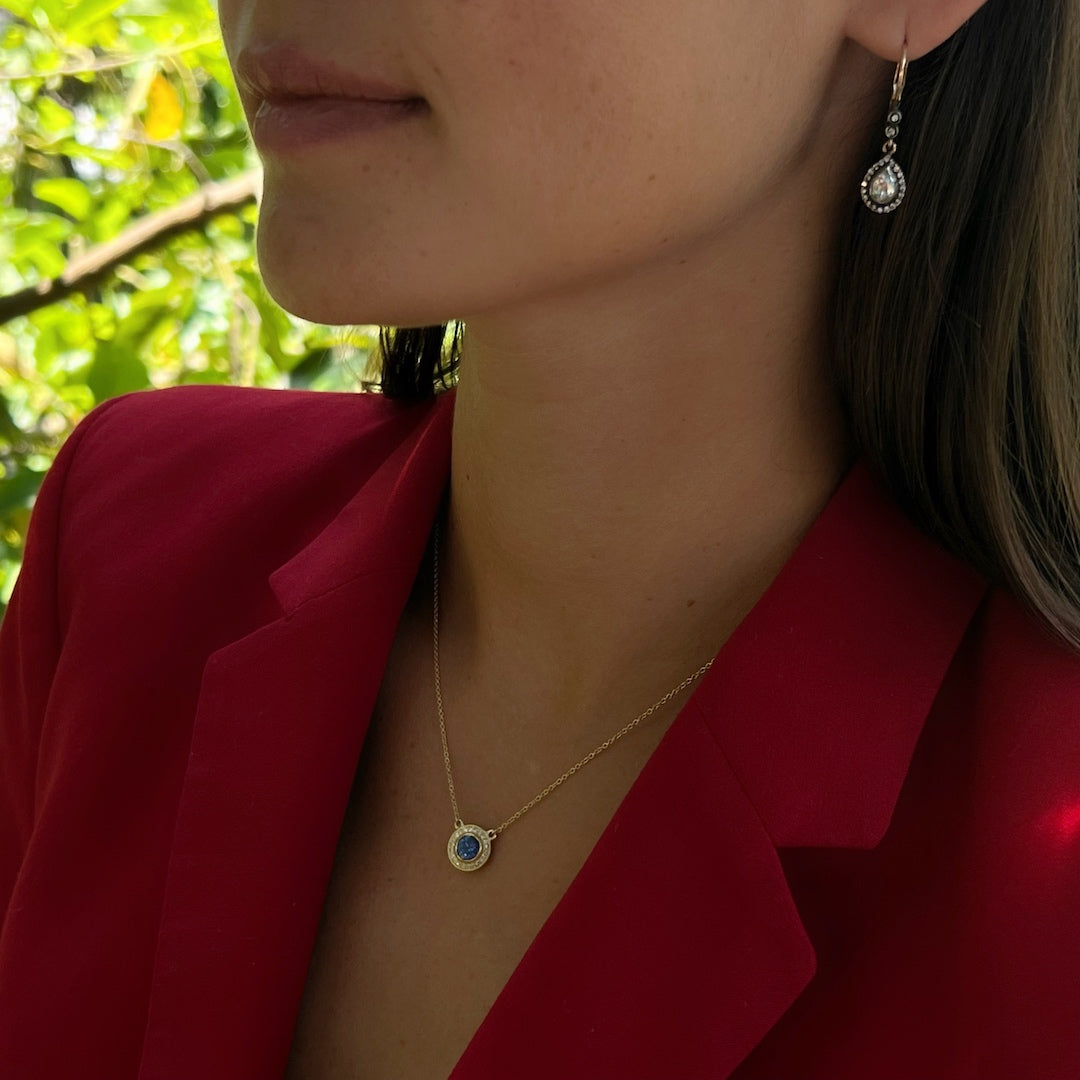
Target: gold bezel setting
<point>479,858</point>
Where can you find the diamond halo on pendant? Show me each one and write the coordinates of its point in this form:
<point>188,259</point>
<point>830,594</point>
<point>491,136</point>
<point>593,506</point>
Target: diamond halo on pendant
<point>469,847</point>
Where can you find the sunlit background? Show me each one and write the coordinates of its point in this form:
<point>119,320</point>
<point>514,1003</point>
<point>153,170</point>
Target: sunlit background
<point>128,189</point>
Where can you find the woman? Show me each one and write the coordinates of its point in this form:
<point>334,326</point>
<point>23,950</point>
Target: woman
<point>726,565</point>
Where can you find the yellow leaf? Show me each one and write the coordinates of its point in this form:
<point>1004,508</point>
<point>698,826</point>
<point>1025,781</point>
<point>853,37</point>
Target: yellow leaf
<point>164,113</point>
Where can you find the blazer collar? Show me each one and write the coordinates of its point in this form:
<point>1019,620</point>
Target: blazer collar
<point>801,733</point>
<point>386,523</point>
<point>860,623</point>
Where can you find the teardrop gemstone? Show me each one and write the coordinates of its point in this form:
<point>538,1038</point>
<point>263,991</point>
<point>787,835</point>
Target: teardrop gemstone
<point>884,186</point>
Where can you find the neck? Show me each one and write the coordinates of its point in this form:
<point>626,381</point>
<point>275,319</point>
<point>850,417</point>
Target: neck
<point>632,464</point>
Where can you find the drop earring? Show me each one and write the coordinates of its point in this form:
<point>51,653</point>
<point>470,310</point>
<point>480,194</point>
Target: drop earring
<point>884,185</point>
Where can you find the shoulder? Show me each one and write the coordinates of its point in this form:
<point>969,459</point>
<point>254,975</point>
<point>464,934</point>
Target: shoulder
<point>206,437</point>
<point>1023,690</point>
<point>1014,697</point>
<point>178,423</point>
<point>1021,669</point>
<point>160,485</point>
<point>1020,686</point>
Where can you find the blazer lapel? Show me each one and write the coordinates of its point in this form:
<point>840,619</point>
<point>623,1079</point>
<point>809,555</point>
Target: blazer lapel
<point>673,951</point>
<point>281,719</point>
<point>679,944</point>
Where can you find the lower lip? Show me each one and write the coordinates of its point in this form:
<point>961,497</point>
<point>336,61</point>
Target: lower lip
<point>302,122</point>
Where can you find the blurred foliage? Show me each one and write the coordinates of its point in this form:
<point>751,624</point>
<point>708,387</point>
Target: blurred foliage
<point>113,113</point>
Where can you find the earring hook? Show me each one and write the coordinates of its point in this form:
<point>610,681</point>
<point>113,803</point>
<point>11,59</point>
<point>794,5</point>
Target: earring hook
<point>884,185</point>
<point>900,78</point>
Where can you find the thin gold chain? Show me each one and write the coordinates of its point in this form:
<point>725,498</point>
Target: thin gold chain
<point>570,772</point>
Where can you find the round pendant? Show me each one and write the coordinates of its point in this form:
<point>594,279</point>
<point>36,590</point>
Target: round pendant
<point>884,186</point>
<point>469,847</point>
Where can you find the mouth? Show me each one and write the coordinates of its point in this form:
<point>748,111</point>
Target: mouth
<point>286,125</point>
<point>282,74</point>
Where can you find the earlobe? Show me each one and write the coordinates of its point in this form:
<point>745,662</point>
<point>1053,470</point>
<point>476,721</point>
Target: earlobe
<point>881,28</point>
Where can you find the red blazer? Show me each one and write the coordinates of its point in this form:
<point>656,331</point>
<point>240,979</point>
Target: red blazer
<point>855,853</point>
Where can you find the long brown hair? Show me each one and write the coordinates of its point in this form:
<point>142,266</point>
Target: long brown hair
<point>956,319</point>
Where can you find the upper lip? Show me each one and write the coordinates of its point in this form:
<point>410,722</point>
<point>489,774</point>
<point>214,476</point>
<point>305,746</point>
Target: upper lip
<point>281,70</point>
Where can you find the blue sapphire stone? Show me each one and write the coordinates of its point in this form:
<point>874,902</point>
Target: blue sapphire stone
<point>468,847</point>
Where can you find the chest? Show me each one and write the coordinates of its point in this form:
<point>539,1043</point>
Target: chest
<point>411,953</point>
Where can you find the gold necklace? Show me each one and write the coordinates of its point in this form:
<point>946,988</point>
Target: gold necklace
<point>469,846</point>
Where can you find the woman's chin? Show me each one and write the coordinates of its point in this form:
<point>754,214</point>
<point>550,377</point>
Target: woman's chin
<point>288,291</point>
<point>308,279</point>
<point>307,292</point>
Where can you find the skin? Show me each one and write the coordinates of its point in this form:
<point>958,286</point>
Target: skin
<point>632,206</point>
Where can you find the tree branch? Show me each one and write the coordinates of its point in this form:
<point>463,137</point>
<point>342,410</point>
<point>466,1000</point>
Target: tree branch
<point>107,63</point>
<point>87,269</point>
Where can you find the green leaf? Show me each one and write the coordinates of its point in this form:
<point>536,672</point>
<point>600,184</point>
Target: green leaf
<point>138,324</point>
<point>86,12</point>
<point>202,378</point>
<point>20,8</point>
<point>37,244</point>
<point>53,118</point>
<point>19,489</point>
<point>37,227</point>
<point>116,370</point>
<point>70,195</point>
<point>109,219</point>
<point>110,157</point>
<point>102,321</point>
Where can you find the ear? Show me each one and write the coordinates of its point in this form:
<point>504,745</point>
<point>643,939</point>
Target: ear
<point>880,25</point>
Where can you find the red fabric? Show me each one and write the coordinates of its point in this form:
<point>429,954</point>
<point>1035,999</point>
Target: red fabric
<point>855,853</point>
